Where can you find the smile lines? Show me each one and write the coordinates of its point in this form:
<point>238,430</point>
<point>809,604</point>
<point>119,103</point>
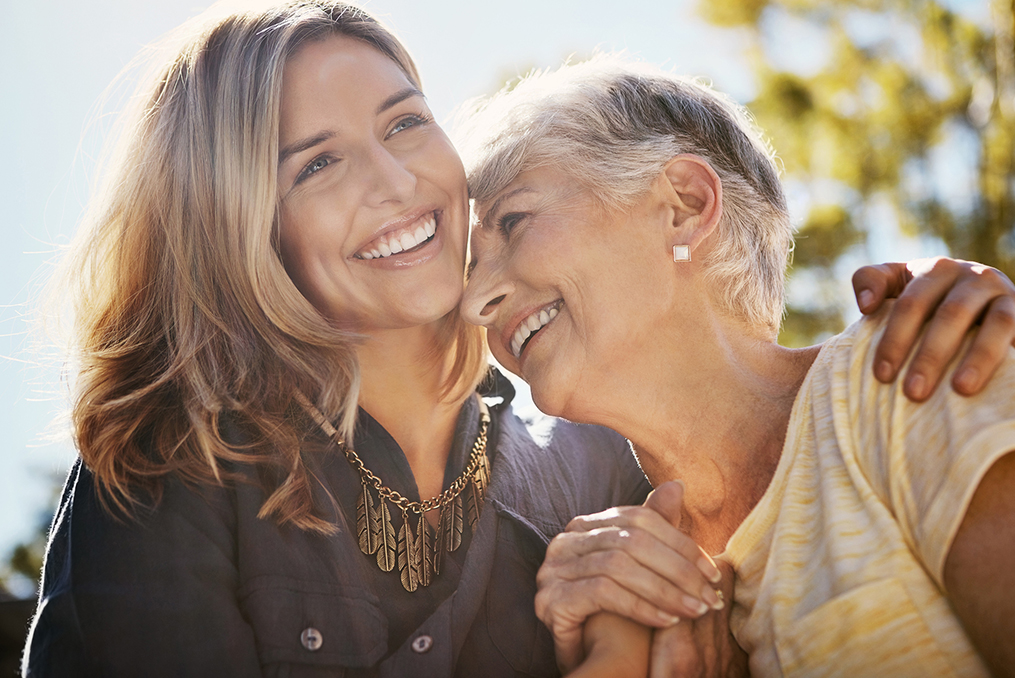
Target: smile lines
<point>535,322</point>
<point>401,240</point>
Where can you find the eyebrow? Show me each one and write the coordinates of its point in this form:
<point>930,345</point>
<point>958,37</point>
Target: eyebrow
<point>304,144</point>
<point>498,201</point>
<point>398,97</point>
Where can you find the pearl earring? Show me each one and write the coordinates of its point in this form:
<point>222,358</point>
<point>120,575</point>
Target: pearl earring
<point>681,253</point>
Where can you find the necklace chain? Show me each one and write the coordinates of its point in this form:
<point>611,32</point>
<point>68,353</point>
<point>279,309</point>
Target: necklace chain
<point>435,502</point>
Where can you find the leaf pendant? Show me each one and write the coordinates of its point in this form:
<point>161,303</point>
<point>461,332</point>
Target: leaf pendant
<point>471,505</point>
<point>438,540</point>
<point>407,555</point>
<point>424,537</point>
<point>453,536</point>
<point>368,522</point>
<point>386,541</point>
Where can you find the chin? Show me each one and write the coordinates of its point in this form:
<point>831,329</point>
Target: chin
<point>549,400</point>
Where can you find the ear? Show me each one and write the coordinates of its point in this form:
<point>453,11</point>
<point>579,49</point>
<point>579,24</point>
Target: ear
<point>694,193</point>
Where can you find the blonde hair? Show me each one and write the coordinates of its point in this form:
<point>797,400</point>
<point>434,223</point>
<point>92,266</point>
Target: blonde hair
<point>184,315</point>
<point>612,124</point>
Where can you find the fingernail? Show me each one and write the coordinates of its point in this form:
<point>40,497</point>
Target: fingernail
<point>708,568</point>
<point>667,619</point>
<point>708,594</point>
<point>916,385</point>
<point>966,379</point>
<point>696,605</point>
<point>884,371</point>
<point>865,299</point>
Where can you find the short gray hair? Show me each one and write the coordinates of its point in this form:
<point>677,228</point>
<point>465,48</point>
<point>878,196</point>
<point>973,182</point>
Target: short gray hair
<point>612,125</point>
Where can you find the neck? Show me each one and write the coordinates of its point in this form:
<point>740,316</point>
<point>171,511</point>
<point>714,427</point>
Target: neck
<point>715,416</point>
<point>402,380</point>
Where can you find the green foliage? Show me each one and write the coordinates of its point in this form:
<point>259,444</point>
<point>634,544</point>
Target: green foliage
<point>869,121</point>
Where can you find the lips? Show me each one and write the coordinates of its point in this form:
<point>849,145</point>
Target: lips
<point>532,324</point>
<point>400,239</point>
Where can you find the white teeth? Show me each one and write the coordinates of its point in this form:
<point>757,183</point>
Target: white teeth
<point>401,241</point>
<point>531,325</point>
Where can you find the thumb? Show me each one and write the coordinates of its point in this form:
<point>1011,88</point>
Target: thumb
<point>873,284</point>
<point>667,500</point>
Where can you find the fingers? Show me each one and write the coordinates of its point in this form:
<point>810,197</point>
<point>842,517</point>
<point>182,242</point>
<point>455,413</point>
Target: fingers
<point>988,349</point>
<point>565,605</point>
<point>667,500</point>
<point>661,524</point>
<point>873,284</point>
<point>957,294</point>
<point>915,304</point>
<point>636,561</point>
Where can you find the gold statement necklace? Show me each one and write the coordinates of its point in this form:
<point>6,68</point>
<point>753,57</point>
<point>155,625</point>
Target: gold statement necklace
<point>418,555</point>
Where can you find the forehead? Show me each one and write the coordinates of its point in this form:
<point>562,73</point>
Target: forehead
<point>337,72</point>
<point>541,186</point>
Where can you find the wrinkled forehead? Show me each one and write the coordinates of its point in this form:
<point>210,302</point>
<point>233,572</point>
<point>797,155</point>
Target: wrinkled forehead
<point>538,188</point>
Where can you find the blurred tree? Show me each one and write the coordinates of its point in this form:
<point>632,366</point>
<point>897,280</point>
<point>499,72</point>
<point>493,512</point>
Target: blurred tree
<point>911,106</point>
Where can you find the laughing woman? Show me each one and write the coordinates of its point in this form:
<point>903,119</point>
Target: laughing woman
<point>286,467</point>
<point>629,263</point>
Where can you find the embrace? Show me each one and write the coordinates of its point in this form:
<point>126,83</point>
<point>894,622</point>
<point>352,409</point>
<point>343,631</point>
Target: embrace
<point>296,460</point>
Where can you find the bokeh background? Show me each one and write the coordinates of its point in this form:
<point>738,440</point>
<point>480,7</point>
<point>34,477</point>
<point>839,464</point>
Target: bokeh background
<point>894,121</point>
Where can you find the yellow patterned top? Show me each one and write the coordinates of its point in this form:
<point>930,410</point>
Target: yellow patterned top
<point>839,566</point>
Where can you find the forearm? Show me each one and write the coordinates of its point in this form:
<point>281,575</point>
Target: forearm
<point>979,574</point>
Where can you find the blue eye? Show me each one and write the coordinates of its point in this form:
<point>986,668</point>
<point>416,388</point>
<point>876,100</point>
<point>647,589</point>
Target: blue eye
<point>315,166</point>
<point>409,121</point>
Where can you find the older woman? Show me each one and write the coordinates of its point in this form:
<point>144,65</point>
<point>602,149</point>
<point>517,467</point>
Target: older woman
<point>629,264</point>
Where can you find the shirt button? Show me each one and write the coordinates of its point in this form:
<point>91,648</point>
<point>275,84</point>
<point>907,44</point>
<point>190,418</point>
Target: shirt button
<point>311,639</point>
<point>422,644</point>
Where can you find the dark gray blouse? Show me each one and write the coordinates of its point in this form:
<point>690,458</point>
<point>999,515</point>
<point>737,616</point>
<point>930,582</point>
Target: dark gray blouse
<point>201,587</point>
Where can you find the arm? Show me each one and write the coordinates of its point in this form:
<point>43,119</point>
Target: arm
<point>949,297</point>
<point>979,574</point>
<point>153,597</point>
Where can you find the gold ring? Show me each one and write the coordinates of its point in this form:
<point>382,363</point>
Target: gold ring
<point>718,594</point>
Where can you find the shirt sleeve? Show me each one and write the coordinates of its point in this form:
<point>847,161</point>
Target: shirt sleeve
<point>926,460</point>
<point>154,596</point>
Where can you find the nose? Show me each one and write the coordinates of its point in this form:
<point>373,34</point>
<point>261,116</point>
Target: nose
<point>488,286</point>
<point>388,177</point>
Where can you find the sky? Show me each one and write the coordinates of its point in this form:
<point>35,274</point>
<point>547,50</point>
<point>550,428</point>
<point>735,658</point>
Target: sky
<point>56,64</point>
<point>57,58</point>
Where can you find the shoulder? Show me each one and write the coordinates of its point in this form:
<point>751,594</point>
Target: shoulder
<point>556,469</point>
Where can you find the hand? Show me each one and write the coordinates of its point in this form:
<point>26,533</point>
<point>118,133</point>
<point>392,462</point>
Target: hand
<point>703,647</point>
<point>953,296</point>
<point>630,560</point>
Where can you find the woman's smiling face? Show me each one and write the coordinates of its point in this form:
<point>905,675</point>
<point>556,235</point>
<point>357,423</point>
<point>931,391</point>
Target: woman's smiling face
<point>564,287</point>
<point>374,211</point>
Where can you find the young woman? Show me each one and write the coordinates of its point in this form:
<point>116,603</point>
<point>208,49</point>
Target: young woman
<point>293,458</point>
